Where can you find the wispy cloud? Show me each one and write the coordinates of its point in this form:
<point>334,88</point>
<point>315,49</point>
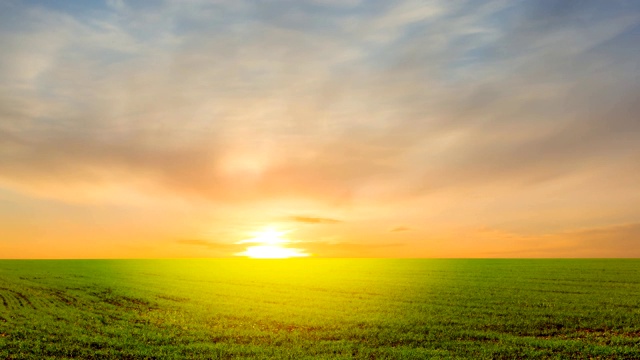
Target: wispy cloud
<point>615,241</point>
<point>314,220</point>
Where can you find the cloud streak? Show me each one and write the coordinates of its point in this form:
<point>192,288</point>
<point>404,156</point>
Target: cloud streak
<point>314,220</point>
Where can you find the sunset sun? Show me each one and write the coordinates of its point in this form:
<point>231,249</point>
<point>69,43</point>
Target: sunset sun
<point>270,244</point>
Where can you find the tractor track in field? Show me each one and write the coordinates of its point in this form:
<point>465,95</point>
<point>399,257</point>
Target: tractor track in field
<point>11,296</point>
<point>23,299</point>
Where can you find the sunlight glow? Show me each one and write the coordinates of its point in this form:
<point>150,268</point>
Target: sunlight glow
<point>272,252</point>
<point>269,246</point>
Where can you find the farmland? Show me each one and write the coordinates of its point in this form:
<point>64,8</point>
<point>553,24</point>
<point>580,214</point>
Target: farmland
<point>319,308</point>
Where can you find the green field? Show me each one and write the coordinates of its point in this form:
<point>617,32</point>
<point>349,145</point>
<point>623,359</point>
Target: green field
<point>319,308</point>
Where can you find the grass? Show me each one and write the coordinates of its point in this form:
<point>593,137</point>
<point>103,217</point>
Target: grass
<point>319,308</point>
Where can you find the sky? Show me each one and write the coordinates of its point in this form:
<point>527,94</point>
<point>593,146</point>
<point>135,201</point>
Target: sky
<point>472,129</point>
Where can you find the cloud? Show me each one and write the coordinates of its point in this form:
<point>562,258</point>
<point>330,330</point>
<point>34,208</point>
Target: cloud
<point>282,112</point>
<point>314,220</point>
<point>338,3</point>
<point>610,241</point>
<point>613,241</point>
<point>399,229</point>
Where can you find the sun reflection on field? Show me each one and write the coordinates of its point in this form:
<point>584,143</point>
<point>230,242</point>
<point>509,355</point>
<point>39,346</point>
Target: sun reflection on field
<point>269,244</point>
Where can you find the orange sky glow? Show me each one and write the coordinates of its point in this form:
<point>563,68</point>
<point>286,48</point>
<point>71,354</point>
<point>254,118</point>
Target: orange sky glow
<point>325,128</point>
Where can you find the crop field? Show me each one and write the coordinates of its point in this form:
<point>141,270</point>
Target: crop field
<point>319,308</point>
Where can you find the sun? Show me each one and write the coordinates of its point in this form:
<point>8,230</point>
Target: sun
<point>269,245</point>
